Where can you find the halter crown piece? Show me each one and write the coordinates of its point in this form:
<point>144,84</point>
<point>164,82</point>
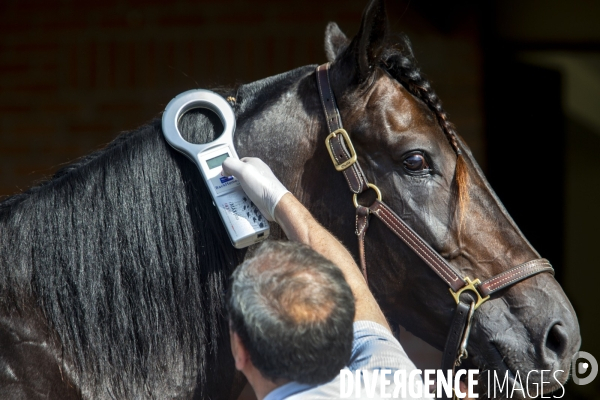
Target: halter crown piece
<point>467,293</point>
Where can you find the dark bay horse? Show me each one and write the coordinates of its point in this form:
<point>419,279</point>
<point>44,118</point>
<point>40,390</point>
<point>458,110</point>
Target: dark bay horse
<point>113,273</point>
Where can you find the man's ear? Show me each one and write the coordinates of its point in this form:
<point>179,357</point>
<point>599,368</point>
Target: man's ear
<point>240,354</point>
<point>335,41</point>
<point>364,52</point>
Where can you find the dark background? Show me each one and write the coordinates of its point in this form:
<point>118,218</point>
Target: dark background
<point>520,79</point>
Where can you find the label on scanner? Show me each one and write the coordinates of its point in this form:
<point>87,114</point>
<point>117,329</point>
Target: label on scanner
<point>223,184</point>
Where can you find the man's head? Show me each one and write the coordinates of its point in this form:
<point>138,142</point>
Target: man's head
<point>293,311</point>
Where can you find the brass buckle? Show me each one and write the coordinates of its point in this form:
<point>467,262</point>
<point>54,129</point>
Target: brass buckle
<point>347,163</point>
<point>469,286</point>
<point>375,188</point>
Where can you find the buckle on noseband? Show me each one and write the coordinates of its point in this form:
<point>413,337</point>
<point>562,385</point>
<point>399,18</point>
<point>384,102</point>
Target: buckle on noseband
<point>341,166</point>
<point>470,285</point>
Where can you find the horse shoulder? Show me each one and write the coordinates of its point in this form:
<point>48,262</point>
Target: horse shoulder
<point>30,362</point>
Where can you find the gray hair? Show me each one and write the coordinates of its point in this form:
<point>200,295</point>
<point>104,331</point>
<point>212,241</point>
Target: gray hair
<point>293,311</point>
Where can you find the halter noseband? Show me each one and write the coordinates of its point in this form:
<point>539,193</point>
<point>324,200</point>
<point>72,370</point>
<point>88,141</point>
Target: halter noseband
<point>345,160</point>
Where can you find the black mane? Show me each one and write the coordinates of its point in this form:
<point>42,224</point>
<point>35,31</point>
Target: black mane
<point>128,261</point>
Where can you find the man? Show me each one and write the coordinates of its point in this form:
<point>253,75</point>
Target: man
<point>294,324</point>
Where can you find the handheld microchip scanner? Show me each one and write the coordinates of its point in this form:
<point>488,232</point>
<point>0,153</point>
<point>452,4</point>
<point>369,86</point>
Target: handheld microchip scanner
<point>243,222</point>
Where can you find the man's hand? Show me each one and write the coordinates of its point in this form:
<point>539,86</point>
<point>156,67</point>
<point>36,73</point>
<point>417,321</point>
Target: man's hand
<point>258,181</point>
<point>269,195</point>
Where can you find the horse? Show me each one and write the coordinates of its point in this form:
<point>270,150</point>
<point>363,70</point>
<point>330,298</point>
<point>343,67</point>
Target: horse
<point>114,271</point>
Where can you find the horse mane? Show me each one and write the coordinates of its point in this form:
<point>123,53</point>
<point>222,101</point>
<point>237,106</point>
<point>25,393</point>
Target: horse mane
<point>399,61</point>
<point>125,256</point>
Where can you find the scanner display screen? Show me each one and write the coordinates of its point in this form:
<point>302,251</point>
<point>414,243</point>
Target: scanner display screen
<point>216,161</point>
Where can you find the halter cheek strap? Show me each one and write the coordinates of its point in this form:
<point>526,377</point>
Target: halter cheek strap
<point>338,142</point>
<point>468,294</point>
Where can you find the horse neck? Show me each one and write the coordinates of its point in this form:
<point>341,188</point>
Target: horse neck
<point>281,121</point>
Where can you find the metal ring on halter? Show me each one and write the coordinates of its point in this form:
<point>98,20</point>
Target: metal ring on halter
<point>375,188</point>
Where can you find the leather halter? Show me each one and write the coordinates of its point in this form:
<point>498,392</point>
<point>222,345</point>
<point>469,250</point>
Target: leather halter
<point>345,160</point>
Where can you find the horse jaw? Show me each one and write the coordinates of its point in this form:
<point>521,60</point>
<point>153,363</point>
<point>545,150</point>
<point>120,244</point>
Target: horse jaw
<point>529,327</point>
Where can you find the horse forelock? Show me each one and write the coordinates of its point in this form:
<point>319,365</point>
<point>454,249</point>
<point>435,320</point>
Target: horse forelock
<point>128,261</point>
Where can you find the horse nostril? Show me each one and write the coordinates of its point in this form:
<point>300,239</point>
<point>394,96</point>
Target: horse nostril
<point>556,341</point>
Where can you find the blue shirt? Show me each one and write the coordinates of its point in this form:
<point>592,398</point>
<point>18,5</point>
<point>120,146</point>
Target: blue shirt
<point>375,352</point>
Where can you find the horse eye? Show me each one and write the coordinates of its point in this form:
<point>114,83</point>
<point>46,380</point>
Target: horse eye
<point>416,162</point>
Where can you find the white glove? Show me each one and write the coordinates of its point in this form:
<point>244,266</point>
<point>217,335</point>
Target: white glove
<point>258,181</point>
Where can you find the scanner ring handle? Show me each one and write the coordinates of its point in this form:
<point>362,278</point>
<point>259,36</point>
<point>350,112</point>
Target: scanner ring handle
<point>186,101</point>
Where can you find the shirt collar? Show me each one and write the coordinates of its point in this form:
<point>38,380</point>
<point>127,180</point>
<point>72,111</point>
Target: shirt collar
<point>287,390</point>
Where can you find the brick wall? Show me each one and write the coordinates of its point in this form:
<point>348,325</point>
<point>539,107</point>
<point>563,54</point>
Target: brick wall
<point>75,73</point>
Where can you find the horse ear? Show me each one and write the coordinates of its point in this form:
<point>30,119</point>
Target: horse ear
<point>368,44</point>
<point>335,41</point>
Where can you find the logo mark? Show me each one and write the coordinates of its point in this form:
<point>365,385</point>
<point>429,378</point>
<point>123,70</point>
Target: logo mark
<point>578,369</point>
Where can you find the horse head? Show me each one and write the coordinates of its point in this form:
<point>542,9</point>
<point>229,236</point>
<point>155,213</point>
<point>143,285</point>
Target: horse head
<point>427,174</point>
